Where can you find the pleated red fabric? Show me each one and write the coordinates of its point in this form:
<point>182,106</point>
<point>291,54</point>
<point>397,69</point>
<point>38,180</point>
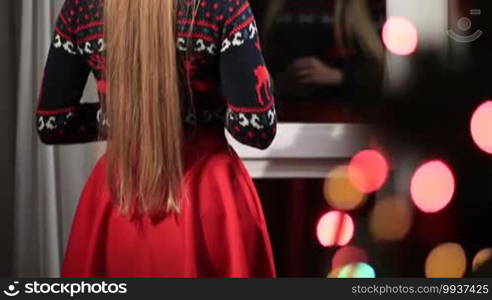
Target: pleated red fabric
<point>221,231</point>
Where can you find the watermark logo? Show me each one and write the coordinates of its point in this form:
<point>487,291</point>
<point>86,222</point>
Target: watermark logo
<point>464,25</point>
<point>71,289</point>
<point>12,290</point>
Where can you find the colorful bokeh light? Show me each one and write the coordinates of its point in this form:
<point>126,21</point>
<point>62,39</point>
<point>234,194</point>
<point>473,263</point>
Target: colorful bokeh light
<point>391,219</point>
<point>446,261</point>
<point>400,36</point>
<point>481,127</point>
<point>360,270</point>
<point>349,255</point>
<point>432,186</point>
<point>481,258</point>
<point>335,229</point>
<point>334,273</point>
<point>368,171</point>
<point>339,191</point>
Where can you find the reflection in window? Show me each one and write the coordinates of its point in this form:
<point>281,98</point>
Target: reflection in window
<point>326,56</point>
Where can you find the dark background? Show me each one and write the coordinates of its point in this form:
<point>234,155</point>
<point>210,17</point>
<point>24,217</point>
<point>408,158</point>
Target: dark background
<point>8,78</point>
<point>430,114</point>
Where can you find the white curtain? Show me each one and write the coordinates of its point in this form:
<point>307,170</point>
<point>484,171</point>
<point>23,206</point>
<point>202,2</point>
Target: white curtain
<point>48,179</point>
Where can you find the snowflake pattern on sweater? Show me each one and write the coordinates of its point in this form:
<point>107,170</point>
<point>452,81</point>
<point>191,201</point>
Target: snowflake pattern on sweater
<point>221,55</point>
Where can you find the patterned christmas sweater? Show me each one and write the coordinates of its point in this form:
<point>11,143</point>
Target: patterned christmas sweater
<point>221,54</point>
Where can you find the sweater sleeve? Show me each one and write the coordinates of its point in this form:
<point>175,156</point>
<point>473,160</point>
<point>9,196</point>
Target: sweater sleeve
<point>61,117</point>
<point>251,117</point>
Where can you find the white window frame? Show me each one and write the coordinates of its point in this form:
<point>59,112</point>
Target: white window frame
<point>303,150</point>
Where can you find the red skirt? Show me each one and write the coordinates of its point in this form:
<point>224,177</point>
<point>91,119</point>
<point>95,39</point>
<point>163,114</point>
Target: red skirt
<point>221,231</point>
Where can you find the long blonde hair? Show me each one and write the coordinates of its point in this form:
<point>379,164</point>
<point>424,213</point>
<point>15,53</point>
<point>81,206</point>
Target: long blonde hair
<point>359,26</point>
<point>144,152</point>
